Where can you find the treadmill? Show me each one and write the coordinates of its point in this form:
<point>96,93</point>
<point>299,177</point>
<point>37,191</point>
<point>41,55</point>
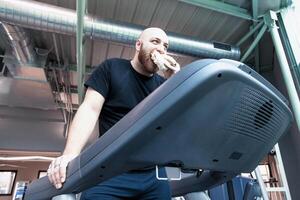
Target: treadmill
<point>213,119</point>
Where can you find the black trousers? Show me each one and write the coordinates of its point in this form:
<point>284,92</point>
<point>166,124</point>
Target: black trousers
<point>135,185</point>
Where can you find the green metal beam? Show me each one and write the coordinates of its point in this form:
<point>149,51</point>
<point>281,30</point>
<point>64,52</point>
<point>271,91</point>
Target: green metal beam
<point>73,67</point>
<point>255,42</point>
<point>270,19</point>
<point>256,51</point>
<point>80,49</point>
<point>255,9</point>
<point>285,3</point>
<point>221,7</point>
<point>243,39</point>
<point>290,42</point>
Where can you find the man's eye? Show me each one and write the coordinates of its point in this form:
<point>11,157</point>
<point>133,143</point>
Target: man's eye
<point>155,41</point>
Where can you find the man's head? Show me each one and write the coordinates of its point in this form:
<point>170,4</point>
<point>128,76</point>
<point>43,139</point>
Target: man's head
<point>150,40</point>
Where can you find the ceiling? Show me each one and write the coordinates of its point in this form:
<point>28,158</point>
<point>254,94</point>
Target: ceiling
<point>48,102</point>
<point>171,15</point>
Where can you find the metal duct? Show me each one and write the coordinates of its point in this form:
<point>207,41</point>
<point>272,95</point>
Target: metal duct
<point>36,15</point>
<point>24,54</point>
<point>20,43</point>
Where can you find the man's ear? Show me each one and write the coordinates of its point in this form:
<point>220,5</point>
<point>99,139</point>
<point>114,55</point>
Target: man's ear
<point>138,45</point>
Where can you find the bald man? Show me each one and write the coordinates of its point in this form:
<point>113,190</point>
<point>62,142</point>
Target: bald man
<point>115,87</point>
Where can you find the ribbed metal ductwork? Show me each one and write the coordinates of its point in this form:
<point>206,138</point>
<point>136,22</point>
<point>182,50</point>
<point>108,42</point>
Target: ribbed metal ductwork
<point>50,18</point>
<point>20,43</point>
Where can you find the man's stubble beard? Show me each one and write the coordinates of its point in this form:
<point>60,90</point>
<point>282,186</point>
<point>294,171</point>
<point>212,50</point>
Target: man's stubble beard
<point>146,61</point>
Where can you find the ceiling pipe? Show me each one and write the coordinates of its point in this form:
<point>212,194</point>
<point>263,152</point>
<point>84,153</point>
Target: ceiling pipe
<point>20,43</point>
<point>45,17</point>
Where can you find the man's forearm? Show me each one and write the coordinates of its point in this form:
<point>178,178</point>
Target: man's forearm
<point>81,129</point>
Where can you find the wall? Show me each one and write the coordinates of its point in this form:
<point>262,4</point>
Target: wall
<point>26,171</point>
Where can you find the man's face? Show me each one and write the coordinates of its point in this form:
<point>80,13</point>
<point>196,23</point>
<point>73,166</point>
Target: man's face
<point>145,59</point>
<point>152,41</point>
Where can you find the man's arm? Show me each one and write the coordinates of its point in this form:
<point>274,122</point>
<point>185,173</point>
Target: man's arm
<point>79,133</point>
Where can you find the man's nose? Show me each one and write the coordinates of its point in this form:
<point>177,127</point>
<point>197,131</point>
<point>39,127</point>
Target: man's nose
<point>161,49</point>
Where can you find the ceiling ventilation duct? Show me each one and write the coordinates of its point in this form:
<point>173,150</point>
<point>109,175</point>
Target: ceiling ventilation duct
<point>20,43</point>
<point>29,117</point>
<point>27,84</point>
<point>23,62</point>
<point>40,16</point>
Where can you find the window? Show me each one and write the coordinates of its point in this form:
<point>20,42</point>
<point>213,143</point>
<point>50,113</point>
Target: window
<point>7,180</point>
<point>42,174</point>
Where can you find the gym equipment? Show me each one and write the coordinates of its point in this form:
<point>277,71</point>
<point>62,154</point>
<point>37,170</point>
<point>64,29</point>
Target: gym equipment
<point>216,115</point>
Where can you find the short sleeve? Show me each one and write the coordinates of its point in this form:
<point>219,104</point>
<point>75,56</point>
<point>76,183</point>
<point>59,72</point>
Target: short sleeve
<point>100,79</point>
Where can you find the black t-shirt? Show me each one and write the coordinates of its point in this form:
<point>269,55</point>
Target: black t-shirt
<point>122,87</point>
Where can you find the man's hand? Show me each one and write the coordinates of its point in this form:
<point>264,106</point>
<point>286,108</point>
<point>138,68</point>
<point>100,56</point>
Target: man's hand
<point>165,63</point>
<point>172,66</point>
<point>57,170</point>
